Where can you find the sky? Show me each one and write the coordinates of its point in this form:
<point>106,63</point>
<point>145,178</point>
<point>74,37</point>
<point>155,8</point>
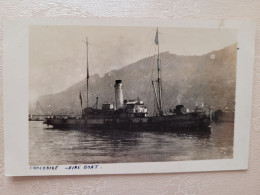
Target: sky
<point>57,54</point>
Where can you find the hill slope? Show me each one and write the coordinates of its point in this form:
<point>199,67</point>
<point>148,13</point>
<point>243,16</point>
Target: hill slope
<point>210,78</point>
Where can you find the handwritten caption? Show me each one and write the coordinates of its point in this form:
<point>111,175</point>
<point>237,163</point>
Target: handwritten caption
<point>69,167</point>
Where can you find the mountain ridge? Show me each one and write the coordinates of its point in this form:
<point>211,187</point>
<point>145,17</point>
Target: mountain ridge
<point>213,73</point>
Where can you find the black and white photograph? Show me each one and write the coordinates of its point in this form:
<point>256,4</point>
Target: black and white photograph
<point>123,96</point>
<point>118,94</point>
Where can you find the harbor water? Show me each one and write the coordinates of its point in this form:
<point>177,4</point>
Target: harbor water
<point>49,146</point>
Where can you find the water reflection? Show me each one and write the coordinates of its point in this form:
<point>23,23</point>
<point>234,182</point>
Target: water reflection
<point>55,146</point>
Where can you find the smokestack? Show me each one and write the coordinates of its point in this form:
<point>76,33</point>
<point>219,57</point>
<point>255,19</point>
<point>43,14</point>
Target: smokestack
<point>118,94</point>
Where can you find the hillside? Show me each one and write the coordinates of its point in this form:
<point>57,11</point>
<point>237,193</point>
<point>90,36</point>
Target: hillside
<point>188,80</point>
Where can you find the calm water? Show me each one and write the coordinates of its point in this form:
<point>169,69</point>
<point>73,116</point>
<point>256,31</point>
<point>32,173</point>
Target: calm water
<point>53,146</point>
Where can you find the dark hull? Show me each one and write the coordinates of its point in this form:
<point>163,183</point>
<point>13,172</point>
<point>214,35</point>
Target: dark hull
<point>190,122</point>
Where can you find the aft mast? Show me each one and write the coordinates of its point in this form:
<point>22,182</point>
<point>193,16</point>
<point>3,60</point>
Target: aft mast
<point>158,94</point>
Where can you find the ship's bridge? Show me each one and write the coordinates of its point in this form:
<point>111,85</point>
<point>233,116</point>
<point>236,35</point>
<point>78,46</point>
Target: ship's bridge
<point>135,107</point>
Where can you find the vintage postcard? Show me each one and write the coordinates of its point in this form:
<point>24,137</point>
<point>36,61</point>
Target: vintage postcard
<point>122,96</point>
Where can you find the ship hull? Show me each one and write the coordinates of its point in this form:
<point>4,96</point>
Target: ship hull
<point>190,121</point>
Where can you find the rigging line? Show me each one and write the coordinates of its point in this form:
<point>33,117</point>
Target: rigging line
<point>83,97</point>
<point>151,32</point>
<point>109,47</point>
<point>188,102</point>
<point>149,80</point>
<point>154,56</point>
<point>91,44</point>
<point>89,83</point>
<point>153,65</point>
<point>161,84</point>
<point>150,67</point>
<point>83,63</point>
<point>154,108</point>
<point>145,72</point>
<point>166,98</point>
<point>149,95</point>
<point>174,88</point>
<point>142,85</point>
<point>179,69</point>
<point>74,102</point>
<point>93,92</point>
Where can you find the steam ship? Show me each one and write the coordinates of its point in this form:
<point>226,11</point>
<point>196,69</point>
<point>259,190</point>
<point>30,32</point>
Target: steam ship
<point>133,114</point>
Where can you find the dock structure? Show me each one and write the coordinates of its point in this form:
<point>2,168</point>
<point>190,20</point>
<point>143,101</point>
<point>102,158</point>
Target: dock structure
<point>41,117</point>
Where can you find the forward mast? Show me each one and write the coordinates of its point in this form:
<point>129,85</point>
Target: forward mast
<point>158,91</point>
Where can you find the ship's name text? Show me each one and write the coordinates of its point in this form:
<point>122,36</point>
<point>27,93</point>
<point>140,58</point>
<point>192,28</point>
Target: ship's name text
<point>69,167</point>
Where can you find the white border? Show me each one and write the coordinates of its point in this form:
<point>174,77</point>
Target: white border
<point>15,88</point>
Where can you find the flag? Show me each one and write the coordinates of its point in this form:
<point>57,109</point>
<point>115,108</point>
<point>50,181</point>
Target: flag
<point>156,40</point>
<point>80,97</point>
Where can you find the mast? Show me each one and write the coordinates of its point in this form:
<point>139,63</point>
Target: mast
<point>87,68</point>
<point>159,83</point>
<point>156,98</point>
<point>80,98</point>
